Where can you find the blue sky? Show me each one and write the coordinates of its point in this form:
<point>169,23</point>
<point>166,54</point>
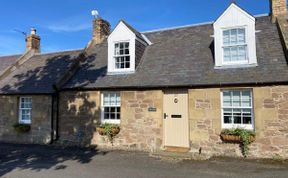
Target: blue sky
<point>66,24</point>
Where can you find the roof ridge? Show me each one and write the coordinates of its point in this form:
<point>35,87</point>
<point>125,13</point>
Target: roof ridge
<point>57,52</point>
<point>12,55</point>
<point>192,25</point>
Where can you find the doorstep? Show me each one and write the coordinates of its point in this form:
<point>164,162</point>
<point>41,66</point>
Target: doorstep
<point>179,155</point>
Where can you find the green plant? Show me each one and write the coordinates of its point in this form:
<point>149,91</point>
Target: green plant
<point>22,128</point>
<point>110,130</point>
<point>245,136</point>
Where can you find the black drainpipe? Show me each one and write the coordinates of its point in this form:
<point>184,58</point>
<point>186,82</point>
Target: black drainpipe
<point>52,119</point>
<point>55,115</point>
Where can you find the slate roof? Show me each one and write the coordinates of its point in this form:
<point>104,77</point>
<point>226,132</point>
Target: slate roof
<point>138,34</point>
<point>184,57</point>
<point>6,61</point>
<point>38,74</point>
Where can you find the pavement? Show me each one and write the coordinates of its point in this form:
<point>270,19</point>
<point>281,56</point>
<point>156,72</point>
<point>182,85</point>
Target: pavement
<point>35,161</point>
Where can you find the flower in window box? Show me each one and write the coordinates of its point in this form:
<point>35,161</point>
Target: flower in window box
<point>242,136</point>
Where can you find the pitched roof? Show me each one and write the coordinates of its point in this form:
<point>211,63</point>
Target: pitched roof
<point>138,34</point>
<point>6,61</point>
<point>184,57</point>
<point>38,74</point>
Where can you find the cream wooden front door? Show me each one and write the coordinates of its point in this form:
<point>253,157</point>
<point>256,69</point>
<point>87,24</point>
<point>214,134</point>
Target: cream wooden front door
<point>176,124</point>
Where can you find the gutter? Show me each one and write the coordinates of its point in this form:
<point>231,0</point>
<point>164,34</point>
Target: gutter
<point>149,87</point>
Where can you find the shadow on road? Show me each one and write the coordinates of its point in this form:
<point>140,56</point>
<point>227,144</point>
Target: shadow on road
<point>37,157</point>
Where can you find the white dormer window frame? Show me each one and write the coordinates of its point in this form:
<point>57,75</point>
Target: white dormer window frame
<point>240,54</point>
<point>122,55</point>
<point>235,45</point>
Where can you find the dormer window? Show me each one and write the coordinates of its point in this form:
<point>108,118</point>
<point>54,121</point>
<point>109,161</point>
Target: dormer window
<point>235,39</point>
<point>122,55</point>
<point>234,46</point>
<point>126,47</point>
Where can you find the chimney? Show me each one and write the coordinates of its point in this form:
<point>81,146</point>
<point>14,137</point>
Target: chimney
<point>33,41</point>
<point>101,29</point>
<point>278,8</point>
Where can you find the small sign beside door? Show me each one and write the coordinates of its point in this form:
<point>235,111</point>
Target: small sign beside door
<point>150,109</point>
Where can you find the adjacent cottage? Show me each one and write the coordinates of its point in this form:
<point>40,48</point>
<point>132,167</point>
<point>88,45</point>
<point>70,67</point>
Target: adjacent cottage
<point>174,89</point>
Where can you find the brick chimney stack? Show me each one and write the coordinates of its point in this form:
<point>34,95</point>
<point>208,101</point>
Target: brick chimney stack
<point>33,41</point>
<point>101,29</point>
<point>278,8</point>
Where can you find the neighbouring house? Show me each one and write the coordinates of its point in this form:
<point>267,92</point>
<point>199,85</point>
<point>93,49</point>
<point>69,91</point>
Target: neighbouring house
<point>171,89</point>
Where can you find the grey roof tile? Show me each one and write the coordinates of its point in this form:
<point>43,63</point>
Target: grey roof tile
<point>38,74</point>
<point>184,57</point>
<point>6,61</point>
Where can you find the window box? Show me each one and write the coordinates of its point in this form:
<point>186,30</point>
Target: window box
<point>235,138</point>
<point>109,130</point>
<point>100,130</point>
<point>22,128</point>
<point>242,136</point>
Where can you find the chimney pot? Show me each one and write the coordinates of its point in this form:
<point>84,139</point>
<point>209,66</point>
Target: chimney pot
<point>33,31</point>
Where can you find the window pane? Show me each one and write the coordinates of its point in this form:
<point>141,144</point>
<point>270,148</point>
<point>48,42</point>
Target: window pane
<point>236,99</point>
<point>118,102</point>
<point>226,54</point>
<point>106,101</point>
<point>227,99</point>
<point>233,53</point>
<point>226,37</point>
<point>241,53</point>
<point>233,37</point>
<point>237,116</point>
<point>246,99</point>
<point>106,116</point>
<point>112,115</point>
<point>241,36</point>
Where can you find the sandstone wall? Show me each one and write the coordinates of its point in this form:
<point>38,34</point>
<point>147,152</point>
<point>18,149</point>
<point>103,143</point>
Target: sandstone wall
<point>40,132</point>
<point>271,123</point>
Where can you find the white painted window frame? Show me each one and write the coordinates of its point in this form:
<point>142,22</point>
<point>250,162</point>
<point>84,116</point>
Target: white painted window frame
<point>125,70</point>
<point>20,110</point>
<point>243,126</point>
<point>122,55</point>
<point>246,44</point>
<point>110,121</point>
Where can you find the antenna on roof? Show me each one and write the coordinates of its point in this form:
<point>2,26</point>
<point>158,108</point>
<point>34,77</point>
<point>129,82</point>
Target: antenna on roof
<point>95,14</point>
<point>19,31</point>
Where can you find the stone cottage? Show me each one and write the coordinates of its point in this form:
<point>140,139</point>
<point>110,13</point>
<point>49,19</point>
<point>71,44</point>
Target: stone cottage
<point>171,89</point>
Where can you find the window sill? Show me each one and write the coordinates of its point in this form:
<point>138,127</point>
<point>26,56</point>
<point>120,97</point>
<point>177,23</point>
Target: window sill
<point>110,121</point>
<point>241,126</point>
<point>235,66</point>
<point>120,72</point>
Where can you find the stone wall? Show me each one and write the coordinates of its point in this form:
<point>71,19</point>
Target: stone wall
<point>140,129</point>
<point>271,123</point>
<point>78,114</point>
<point>40,132</point>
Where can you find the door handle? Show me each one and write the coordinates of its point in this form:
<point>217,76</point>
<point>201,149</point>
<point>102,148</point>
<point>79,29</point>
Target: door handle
<point>165,115</point>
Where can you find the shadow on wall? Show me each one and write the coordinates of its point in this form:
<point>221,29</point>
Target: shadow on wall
<point>79,111</point>
<point>37,158</point>
<point>79,114</point>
